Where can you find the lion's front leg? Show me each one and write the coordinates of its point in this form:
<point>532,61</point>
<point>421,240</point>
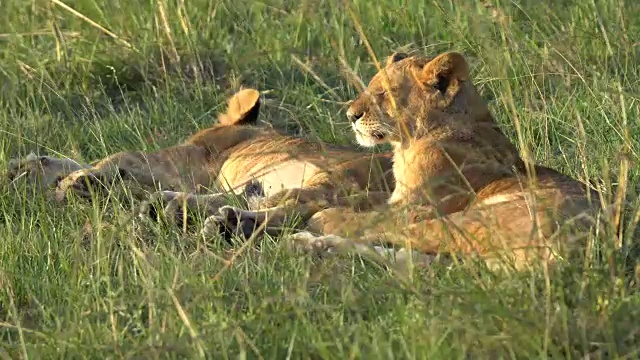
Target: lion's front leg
<point>323,245</point>
<point>85,182</point>
<point>315,244</point>
<point>100,178</point>
<point>168,169</point>
<point>338,229</point>
<point>99,181</point>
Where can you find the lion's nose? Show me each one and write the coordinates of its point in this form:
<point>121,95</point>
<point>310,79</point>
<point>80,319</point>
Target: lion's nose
<point>354,116</point>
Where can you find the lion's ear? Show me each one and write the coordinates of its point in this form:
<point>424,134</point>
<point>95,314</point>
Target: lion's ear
<point>242,108</point>
<point>395,57</point>
<point>446,71</point>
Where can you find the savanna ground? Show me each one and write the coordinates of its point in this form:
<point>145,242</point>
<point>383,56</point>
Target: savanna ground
<point>562,77</point>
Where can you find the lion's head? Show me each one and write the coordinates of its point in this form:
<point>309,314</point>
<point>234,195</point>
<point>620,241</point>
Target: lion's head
<point>41,171</point>
<point>413,94</point>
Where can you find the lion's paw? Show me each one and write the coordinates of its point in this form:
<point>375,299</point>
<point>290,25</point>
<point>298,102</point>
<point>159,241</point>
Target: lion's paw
<point>232,221</point>
<point>322,245</point>
<point>154,206</point>
<point>319,245</point>
<point>228,224</point>
<point>213,226</point>
<point>83,184</point>
<point>178,207</point>
<point>401,258</point>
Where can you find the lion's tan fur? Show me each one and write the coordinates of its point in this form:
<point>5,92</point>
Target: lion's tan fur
<point>461,185</point>
<point>303,174</point>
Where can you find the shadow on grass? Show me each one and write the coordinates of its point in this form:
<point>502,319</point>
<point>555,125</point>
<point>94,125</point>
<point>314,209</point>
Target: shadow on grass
<point>76,90</point>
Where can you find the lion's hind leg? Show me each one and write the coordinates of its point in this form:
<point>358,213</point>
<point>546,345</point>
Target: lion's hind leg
<point>182,208</point>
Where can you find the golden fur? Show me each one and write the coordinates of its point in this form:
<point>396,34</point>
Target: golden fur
<point>461,185</point>
<point>294,173</point>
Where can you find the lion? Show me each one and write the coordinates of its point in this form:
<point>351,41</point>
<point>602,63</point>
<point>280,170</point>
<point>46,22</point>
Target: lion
<point>461,186</point>
<point>238,157</point>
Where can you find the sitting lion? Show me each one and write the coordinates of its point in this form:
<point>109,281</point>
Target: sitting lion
<point>233,155</point>
<point>461,185</point>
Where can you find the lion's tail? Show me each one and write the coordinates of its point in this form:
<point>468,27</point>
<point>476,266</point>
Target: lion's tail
<point>242,108</point>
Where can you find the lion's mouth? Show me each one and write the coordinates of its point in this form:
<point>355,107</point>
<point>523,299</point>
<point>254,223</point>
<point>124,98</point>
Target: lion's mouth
<point>378,135</point>
<point>369,137</point>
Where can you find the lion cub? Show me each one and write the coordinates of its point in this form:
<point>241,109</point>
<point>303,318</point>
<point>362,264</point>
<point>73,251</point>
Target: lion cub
<point>296,174</point>
<point>461,185</point>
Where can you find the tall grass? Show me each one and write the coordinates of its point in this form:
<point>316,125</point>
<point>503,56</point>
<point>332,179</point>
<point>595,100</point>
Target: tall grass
<point>84,79</point>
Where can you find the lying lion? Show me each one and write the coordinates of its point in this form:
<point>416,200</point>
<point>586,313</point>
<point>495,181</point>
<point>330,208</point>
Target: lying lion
<point>300,175</point>
<point>461,185</point>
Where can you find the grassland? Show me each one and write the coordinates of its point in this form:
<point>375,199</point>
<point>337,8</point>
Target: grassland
<point>117,75</point>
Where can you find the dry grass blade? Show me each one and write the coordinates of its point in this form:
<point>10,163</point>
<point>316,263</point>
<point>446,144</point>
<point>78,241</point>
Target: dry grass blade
<point>94,24</point>
<point>185,319</point>
<point>39,33</point>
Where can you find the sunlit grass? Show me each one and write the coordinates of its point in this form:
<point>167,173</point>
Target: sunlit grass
<point>121,75</point>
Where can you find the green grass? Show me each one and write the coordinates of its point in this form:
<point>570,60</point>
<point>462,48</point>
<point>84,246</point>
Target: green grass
<point>567,71</point>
